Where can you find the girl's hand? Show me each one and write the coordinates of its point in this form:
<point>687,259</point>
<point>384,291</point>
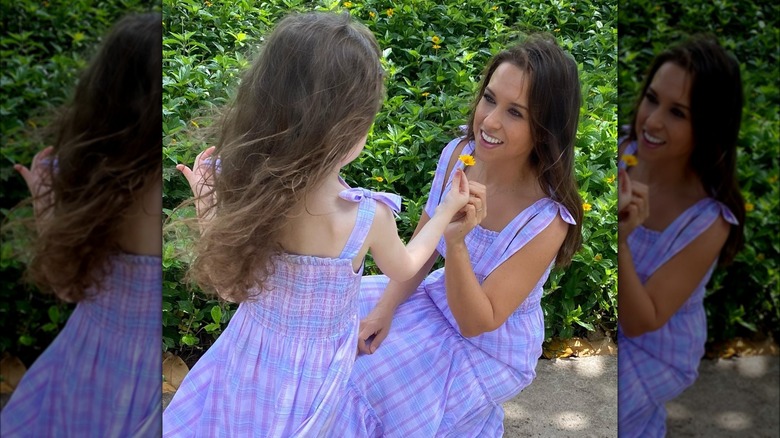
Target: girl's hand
<point>200,178</point>
<point>624,190</point>
<point>38,179</point>
<point>635,213</point>
<point>469,216</point>
<point>373,330</point>
<point>458,195</point>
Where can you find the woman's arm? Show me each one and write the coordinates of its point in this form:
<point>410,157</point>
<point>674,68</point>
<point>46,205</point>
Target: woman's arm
<point>646,308</point>
<point>200,179</point>
<point>483,308</point>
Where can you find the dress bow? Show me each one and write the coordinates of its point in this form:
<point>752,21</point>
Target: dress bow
<point>357,194</point>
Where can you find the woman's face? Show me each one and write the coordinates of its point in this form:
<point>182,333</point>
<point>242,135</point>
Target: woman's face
<point>663,123</point>
<point>502,128</point>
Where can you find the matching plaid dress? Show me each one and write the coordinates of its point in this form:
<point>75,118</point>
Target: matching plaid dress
<point>656,367</point>
<point>426,380</point>
<point>101,376</point>
<point>281,366</point>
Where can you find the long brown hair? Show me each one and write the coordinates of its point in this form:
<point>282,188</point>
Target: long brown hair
<point>554,111</point>
<point>716,114</point>
<point>301,108</point>
<point>108,150</point>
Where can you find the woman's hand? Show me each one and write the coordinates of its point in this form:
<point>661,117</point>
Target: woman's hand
<point>635,213</point>
<point>469,216</point>
<point>373,330</point>
<point>200,178</point>
<point>38,179</point>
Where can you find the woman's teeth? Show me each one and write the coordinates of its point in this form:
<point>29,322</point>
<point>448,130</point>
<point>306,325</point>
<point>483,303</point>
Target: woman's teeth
<point>650,139</point>
<point>489,139</point>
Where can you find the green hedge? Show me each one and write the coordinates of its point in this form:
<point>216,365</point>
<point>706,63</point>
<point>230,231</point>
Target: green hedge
<point>43,48</point>
<point>429,89</point>
<point>745,297</point>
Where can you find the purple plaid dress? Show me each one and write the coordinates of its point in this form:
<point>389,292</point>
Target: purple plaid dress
<point>101,376</point>
<point>426,380</point>
<point>656,367</point>
<point>282,364</point>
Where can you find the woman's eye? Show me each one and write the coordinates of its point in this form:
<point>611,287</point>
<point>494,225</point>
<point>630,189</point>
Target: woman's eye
<point>489,98</point>
<point>678,113</point>
<point>515,113</point>
<point>651,98</point>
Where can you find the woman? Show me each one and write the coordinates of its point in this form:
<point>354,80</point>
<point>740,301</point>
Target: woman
<point>466,338</point>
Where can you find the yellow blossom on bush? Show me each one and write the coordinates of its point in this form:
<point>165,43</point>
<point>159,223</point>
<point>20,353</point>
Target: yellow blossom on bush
<point>495,8</point>
<point>611,179</point>
<point>597,257</point>
<point>586,206</point>
<point>468,160</point>
<point>241,36</point>
<point>425,94</point>
<point>379,178</point>
<point>371,14</point>
<point>435,39</point>
<point>436,47</point>
<point>347,4</point>
<point>78,37</point>
<point>749,206</point>
<point>629,159</point>
<point>389,12</point>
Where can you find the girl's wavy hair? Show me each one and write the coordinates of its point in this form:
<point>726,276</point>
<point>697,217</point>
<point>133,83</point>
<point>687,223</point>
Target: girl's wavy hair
<point>716,114</point>
<point>308,99</point>
<point>107,151</point>
<point>554,109</point>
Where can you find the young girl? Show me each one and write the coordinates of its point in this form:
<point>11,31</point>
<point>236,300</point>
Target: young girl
<point>687,218</point>
<point>286,237</point>
<point>97,195</point>
<point>467,337</point>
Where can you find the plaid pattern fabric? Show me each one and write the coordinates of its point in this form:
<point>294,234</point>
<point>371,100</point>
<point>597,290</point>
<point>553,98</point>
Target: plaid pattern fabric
<point>426,380</point>
<point>101,376</point>
<point>656,367</point>
<point>282,364</point>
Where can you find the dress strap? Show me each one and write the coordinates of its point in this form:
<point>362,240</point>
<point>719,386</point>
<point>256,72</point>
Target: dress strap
<point>521,230</point>
<point>366,210</point>
<point>687,227</point>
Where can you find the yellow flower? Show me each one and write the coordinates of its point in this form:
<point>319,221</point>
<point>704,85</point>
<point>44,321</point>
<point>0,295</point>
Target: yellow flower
<point>468,160</point>
<point>78,37</point>
<point>371,14</point>
<point>379,178</point>
<point>597,257</point>
<point>556,30</point>
<point>436,47</point>
<point>586,206</point>
<point>425,94</point>
<point>208,3</point>
<point>241,36</point>
<point>389,12</point>
<point>347,4</point>
<point>436,40</point>
<point>495,8</point>
<point>611,179</point>
<point>749,206</point>
<point>630,160</point>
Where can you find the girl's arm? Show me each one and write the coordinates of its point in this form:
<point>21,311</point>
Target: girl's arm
<point>483,308</point>
<point>39,179</point>
<point>401,262</point>
<point>200,178</point>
